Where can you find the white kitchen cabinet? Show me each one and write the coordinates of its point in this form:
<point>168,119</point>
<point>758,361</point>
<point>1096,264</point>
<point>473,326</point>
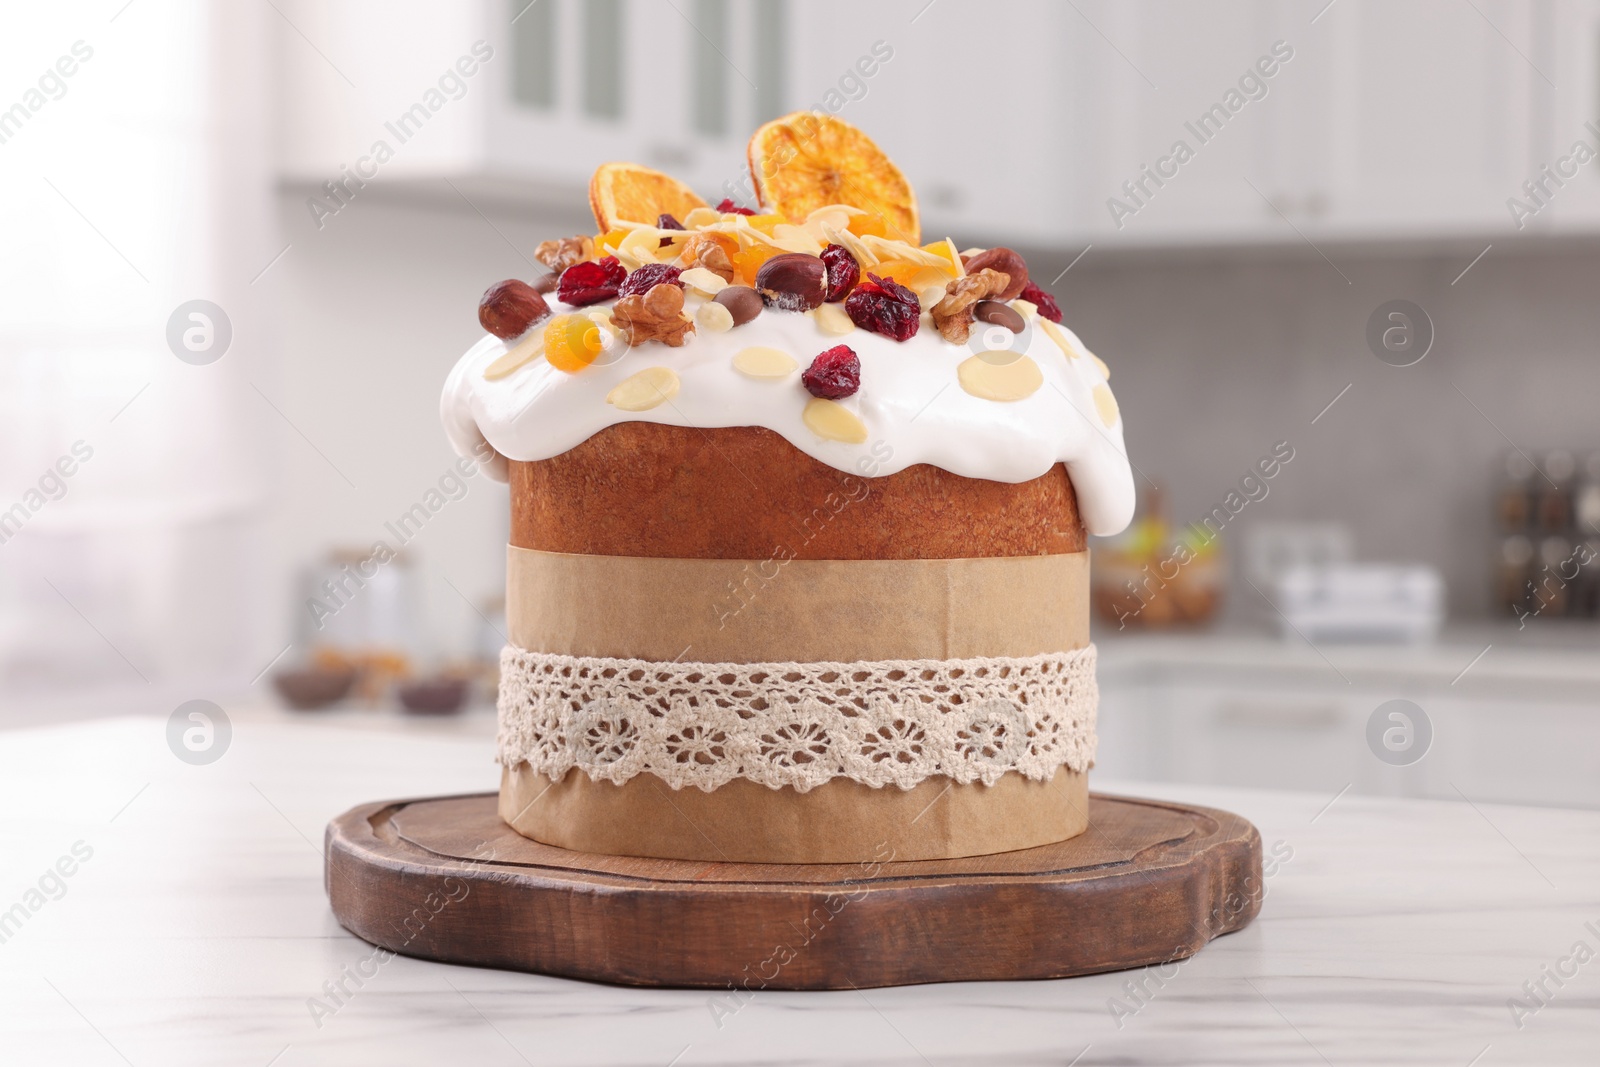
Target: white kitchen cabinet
<point>1388,121</point>
<point>1257,712</point>
<point>1568,53</point>
<point>1019,120</point>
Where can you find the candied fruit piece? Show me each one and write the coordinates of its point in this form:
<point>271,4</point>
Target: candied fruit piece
<point>571,342</point>
<point>884,306</point>
<point>843,272</point>
<point>589,283</point>
<point>834,374</point>
<point>747,264</point>
<point>728,206</point>
<point>868,225</point>
<point>1048,308</point>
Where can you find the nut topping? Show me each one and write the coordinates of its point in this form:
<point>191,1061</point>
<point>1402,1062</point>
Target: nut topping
<point>954,314</point>
<point>508,308</point>
<point>793,281</point>
<point>742,301</point>
<point>704,250</point>
<point>561,254</point>
<point>996,313</point>
<point>654,316</point>
<point>1006,262</point>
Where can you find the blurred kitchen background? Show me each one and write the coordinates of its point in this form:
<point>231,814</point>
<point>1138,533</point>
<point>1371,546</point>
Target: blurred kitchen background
<point>183,479</point>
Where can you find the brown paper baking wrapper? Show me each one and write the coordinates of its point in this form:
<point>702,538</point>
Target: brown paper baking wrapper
<point>839,822</point>
<point>803,610</point>
<point>741,611</point>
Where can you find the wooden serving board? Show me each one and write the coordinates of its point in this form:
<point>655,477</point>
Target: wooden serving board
<point>445,879</point>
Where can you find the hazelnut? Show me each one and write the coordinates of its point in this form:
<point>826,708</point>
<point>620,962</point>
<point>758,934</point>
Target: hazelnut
<point>508,308</point>
<point>793,281</point>
<point>1007,262</point>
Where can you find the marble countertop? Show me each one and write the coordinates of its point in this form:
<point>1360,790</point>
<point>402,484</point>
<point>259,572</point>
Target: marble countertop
<point>193,929</point>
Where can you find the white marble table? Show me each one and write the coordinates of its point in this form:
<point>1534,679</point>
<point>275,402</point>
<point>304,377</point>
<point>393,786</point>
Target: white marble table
<point>197,932</point>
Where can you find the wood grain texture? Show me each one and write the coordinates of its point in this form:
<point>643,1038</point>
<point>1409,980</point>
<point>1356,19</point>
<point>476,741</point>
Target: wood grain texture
<point>743,492</point>
<point>446,879</point>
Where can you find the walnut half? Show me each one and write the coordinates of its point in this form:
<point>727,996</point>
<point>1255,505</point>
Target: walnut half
<point>654,316</point>
<point>561,254</point>
<point>953,315</point>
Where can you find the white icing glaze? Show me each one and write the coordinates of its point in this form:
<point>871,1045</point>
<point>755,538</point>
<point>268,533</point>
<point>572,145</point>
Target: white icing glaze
<point>914,408</point>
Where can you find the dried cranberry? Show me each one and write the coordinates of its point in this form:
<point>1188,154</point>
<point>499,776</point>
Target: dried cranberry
<point>885,306</point>
<point>843,272</point>
<point>1043,301</point>
<point>728,205</point>
<point>834,374</point>
<point>648,277</point>
<point>590,282</point>
<point>665,221</point>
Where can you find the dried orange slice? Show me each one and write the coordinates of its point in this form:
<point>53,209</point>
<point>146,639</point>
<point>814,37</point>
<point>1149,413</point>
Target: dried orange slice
<point>808,160</point>
<point>631,193</point>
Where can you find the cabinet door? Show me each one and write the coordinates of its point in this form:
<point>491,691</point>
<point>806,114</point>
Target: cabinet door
<point>1301,737</point>
<point>1425,127</point>
<point>1568,50</point>
<point>1535,751</point>
<point>1385,121</point>
<point>975,105</point>
<point>1180,120</point>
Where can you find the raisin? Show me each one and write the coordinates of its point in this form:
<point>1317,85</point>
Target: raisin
<point>834,374</point>
<point>649,276</point>
<point>728,205</point>
<point>591,282</point>
<point>843,272</point>
<point>884,306</point>
<point>1043,301</point>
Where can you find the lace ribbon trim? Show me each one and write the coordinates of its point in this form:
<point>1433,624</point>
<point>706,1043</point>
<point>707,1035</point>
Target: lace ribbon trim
<point>882,722</point>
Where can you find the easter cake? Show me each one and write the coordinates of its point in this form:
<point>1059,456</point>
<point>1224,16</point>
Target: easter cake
<point>797,567</point>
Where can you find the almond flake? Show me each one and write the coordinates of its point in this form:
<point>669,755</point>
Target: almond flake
<point>930,295</point>
<point>701,216</point>
<point>529,348</point>
<point>955,258</point>
<point>713,317</point>
<point>759,361</point>
<point>1106,404</point>
<point>745,231</point>
<point>834,422</point>
<point>829,217</point>
<point>794,239</point>
<point>1005,382</point>
<point>1059,336</point>
<point>832,319</point>
<point>645,390</point>
<point>1105,371</point>
<point>703,281</point>
<point>642,244</point>
<point>864,255</point>
<point>845,209</point>
<point>1026,308</point>
<point>893,249</point>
